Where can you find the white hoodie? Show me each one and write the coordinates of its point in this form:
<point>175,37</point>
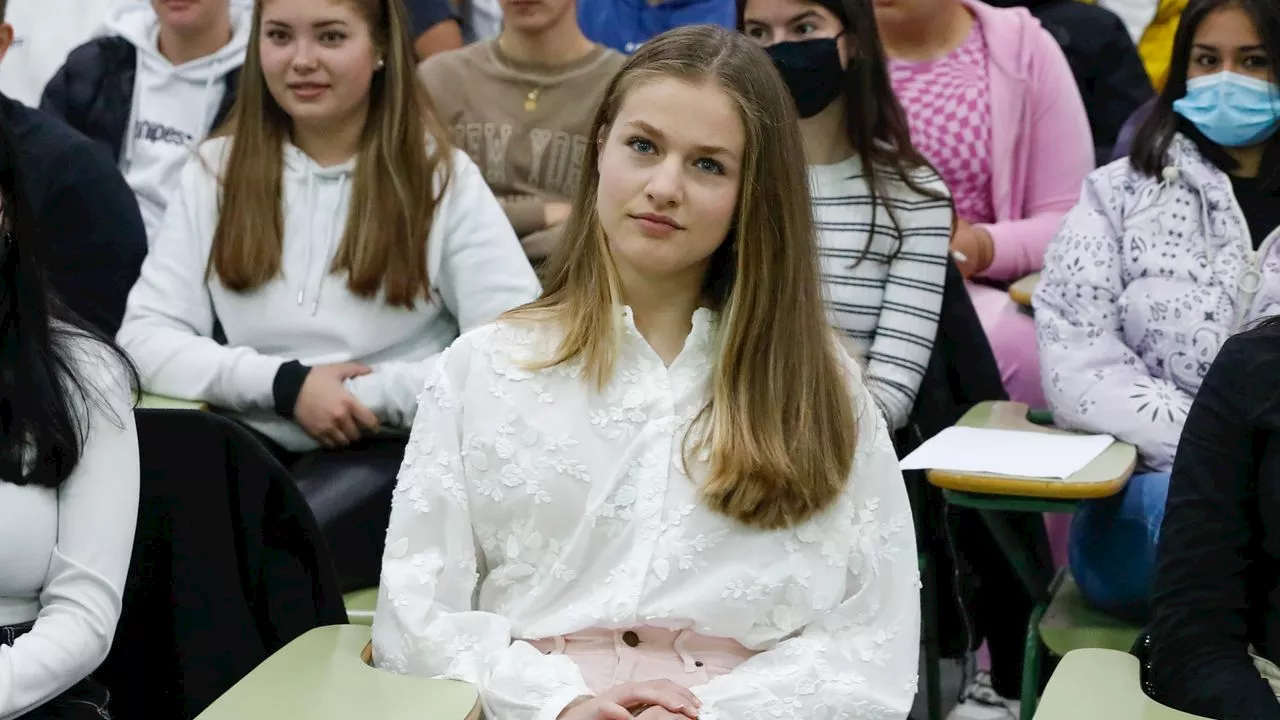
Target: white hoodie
<point>475,265</point>
<point>173,106</point>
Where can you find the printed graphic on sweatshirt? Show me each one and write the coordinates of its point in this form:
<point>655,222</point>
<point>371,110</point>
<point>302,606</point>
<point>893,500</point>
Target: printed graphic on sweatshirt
<point>160,142</point>
<point>553,157</point>
<point>147,131</point>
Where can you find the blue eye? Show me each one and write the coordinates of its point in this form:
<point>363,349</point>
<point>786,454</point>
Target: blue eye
<point>709,165</point>
<point>641,145</point>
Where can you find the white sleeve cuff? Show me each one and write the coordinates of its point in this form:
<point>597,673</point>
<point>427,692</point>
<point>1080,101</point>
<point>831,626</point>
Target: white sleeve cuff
<point>558,702</point>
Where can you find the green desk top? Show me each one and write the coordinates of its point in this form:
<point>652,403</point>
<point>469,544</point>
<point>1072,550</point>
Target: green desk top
<point>1022,290</point>
<point>160,402</point>
<point>320,676</point>
<point>1100,685</point>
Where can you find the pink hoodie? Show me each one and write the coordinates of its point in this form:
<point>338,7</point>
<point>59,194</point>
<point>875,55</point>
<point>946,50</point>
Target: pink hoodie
<point>1041,145</point>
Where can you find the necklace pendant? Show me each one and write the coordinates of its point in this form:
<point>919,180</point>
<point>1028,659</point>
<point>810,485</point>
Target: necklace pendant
<point>530,105</point>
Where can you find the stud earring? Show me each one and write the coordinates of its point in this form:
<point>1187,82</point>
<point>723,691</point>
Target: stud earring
<point>381,63</point>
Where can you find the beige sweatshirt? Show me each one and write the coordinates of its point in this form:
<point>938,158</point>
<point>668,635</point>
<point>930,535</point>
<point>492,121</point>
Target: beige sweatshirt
<point>526,126</point>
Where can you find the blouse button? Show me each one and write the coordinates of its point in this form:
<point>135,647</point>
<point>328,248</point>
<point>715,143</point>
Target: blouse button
<point>630,638</point>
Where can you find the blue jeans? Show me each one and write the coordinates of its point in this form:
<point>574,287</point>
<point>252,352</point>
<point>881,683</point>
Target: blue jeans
<point>1113,546</point>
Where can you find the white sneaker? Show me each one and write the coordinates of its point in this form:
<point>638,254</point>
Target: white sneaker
<point>980,701</point>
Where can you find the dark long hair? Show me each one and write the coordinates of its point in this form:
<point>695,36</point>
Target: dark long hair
<point>875,122</point>
<point>44,403</point>
<point>1151,145</point>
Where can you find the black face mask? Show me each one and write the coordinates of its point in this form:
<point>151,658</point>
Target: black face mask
<point>811,69</point>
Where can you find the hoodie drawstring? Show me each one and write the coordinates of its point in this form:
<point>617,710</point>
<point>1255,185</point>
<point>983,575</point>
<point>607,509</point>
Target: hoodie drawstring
<point>335,233</point>
<point>310,272</point>
<point>311,217</point>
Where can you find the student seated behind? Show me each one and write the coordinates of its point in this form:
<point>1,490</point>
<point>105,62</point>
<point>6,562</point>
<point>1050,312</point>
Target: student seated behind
<point>68,481</point>
<point>342,243</point>
<point>884,217</point>
<point>520,105</point>
<point>435,27</point>
<point>154,89</point>
<point>92,237</point>
<point>1106,65</point>
<point>663,489</point>
<point>625,25</point>
<point>1215,634</point>
<point>46,31</point>
<point>1169,252</point>
<point>992,103</point>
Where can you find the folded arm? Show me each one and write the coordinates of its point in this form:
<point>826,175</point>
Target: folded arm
<point>424,623</point>
<point>1060,155</point>
<point>1092,379</point>
<point>169,317</point>
<point>81,600</point>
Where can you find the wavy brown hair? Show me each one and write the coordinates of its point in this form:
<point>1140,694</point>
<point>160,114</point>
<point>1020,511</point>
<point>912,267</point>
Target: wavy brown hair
<point>780,425</point>
<point>397,184</point>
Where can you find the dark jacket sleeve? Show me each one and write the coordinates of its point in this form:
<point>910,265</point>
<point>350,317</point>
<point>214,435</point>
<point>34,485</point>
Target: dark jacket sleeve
<point>426,14</point>
<point>1120,87</point>
<point>55,99</point>
<point>1199,658</point>
<point>93,233</point>
<point>73,87</point>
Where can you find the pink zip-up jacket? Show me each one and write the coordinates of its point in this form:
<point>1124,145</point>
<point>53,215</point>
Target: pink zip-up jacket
<point>1041,145</point>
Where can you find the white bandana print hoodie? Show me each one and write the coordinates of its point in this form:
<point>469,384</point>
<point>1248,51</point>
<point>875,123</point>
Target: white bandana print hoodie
<point>1145,281</point>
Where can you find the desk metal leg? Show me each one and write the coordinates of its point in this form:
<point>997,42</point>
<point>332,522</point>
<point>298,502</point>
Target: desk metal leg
<point>1012,546</point>
<point>1025,566</point>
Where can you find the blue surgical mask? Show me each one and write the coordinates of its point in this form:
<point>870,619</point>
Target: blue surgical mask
<point>1232,110</point>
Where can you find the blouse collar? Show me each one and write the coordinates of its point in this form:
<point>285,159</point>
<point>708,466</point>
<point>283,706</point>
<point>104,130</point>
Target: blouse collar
<point>698,342</point>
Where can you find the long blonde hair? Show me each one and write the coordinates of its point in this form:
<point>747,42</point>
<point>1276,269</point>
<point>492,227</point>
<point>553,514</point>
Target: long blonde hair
<point>780,425</point>
<point>397,184</point>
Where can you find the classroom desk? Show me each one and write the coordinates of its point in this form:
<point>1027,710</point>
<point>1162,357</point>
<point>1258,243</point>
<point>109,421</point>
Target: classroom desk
<point>993,496</point>
<point>1022,290</point>
<point>1101,685</point>
<point>1105,476</point>
<point>323,675</point>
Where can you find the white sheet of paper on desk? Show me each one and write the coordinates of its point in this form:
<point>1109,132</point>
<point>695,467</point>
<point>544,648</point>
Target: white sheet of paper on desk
<point>1007,452</point>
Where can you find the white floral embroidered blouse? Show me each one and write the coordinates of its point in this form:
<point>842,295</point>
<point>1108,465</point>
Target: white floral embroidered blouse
<point>530,506</point>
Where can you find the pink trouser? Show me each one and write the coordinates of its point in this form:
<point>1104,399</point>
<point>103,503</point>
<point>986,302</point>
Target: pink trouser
<point>612,657</point>
<point>1012,334</point>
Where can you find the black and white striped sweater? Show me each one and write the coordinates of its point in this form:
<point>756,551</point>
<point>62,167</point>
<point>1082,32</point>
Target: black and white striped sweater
<point>884,295</point>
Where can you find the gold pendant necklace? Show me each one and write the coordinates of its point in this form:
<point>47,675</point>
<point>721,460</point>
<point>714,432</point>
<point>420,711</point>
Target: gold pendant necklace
<point>531,100</point>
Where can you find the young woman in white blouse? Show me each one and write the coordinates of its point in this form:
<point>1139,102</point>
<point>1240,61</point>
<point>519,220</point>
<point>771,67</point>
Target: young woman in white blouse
<point>884,217</point>
<point>68,483</point>
<point>340,243</point>
<point>662,489</point>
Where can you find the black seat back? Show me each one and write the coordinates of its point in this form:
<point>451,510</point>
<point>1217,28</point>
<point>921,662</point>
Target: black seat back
<point>228,566</point>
